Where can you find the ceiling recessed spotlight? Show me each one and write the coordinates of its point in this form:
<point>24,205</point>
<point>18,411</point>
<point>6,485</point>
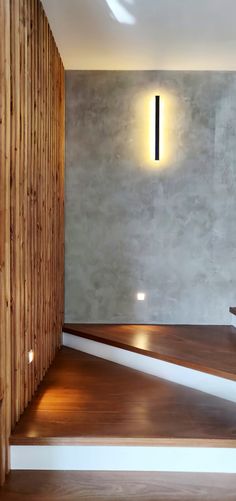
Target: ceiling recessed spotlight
<point>141,296</point>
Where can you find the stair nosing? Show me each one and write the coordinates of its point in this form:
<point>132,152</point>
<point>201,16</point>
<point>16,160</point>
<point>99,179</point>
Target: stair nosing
<point>125,441</point>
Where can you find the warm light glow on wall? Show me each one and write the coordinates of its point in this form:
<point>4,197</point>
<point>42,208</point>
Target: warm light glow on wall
<point>170,115</point>
<point>156,128</point>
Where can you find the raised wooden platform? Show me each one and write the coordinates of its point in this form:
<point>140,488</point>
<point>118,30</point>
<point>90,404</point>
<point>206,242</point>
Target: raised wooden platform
<point>87,400</point>
<point>210,349</point>
<point>117,486</point>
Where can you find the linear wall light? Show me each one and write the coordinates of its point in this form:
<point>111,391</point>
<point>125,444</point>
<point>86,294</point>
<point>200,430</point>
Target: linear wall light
<point>157,127</point>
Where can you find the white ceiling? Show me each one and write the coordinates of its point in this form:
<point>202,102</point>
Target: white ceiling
<point>144,34</point>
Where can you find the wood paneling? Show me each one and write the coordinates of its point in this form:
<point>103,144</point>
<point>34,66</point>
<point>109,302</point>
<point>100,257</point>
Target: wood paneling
<point>186,345</point>
<point>85,399</point>
<point>5,348</point>
<point>117,486</point>
<point>32,205</point>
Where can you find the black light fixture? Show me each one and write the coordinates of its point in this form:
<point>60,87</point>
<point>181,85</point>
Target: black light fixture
<point>157,127</point>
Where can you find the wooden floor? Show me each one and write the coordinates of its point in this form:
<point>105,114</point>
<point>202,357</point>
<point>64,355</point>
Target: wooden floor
<point>85,399</point>
<point>94,486</point>
<point>210,349</point>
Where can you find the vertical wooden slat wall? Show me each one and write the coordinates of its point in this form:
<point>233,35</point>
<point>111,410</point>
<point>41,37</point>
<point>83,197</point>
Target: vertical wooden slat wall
<point>31,205</point>
<point>5,333</point>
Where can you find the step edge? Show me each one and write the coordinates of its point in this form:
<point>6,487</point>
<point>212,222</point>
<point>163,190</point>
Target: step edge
<point>125,441</point>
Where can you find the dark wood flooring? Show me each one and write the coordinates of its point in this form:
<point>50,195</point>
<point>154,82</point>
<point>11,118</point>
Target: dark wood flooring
<point>210,349</point>
<point>117,486</point>
<point>85,399</point>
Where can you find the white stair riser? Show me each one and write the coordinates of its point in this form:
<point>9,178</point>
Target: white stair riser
<point>123,458</point>
<point>233,319</point>
<point>208,383</point>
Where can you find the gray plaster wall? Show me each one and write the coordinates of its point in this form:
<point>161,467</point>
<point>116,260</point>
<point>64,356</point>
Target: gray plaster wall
<point>167,229</point>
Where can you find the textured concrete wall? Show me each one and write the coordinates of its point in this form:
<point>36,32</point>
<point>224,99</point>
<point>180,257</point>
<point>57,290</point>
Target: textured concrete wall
<point>166,229</point>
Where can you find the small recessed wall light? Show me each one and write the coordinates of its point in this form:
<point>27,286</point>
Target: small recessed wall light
<point>31,356</point>
<point>141,296</point>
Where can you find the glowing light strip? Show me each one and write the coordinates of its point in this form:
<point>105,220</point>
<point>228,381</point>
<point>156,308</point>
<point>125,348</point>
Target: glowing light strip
<point>157,127</point>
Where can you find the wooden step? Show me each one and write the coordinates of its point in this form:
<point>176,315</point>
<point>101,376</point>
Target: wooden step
<point>93,414</point>
<point>207,348</point>
<point>201,357</point>
<point>119,486</point>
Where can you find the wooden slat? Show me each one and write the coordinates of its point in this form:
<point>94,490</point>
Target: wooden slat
<point>31,205</point>
<point>5,348</point>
